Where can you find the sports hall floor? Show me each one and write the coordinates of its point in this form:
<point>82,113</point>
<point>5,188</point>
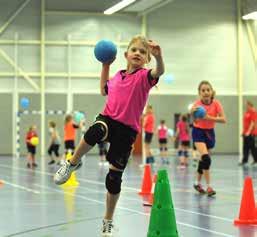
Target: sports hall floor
<point>32,205</point>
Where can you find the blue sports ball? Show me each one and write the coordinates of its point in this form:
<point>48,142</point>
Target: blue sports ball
<point>200,112</point>
<point>78,117</point>
<point>105,51</point>
<point>24,103</point>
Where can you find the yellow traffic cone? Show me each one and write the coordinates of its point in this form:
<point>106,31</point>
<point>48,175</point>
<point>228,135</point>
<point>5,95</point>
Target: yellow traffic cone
<point>72,181</point>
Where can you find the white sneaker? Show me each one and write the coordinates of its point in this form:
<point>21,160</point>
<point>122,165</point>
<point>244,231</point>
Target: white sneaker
<point>107,230</point>
<point>64,172</point>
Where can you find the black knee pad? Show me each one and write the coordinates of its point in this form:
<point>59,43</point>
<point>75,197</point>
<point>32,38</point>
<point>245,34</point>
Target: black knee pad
<point>113,181</point>
<point>49,152</point>
<point>206,161</point>
<point>165,148</point>
<point>96,133</point>
<point>161,148</point>
<point>200,167</point>
<point>57,153</point>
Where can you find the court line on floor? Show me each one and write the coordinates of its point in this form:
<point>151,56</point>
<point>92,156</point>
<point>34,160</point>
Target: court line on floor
<point>102,184</point>
<point>128,209</point>
<point>92,181</point>
<point>99,183</point>
<point>21,187</point>
<point>123,208</point>
<point>134,211</point>
<point>123,187</point>
<point>51,226</point>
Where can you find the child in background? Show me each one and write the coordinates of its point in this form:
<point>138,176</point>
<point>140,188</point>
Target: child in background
<point>204,135</point>
<point>127,93</point>
<point>249,121</point>
<point>163,135</point>
<point>32,132</point>
<point>148,126</point>
<point>69,134</point>
<point>54,143</point>
<point>182,133</point>
<point>195,153</point>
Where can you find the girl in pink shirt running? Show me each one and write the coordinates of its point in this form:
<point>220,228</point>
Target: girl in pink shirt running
<point>203,133</point>
<point>127,93</point>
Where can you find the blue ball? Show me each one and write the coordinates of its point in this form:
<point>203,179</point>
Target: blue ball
<point>200,112</point>
<point>78,117</point>
<point>105,51</point>
<point>24,103</point>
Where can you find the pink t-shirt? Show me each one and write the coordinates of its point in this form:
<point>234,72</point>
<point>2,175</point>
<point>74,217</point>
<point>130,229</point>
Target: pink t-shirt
<point>149,121</point>
<point>127,96</point>
<point>162,132</point>
<point>183,131</point>
<point>212,109</point>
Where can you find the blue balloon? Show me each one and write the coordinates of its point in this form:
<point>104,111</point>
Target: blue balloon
<point>200,112</point>
<point>24,102</point>
<point>169,78</point>
<point>105,51</point>
<point>78,117</point>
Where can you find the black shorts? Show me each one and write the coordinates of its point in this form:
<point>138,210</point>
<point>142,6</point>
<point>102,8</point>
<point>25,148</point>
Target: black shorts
<point>148,137</point>
<point>31,149</point>
<point>54,148</point>
<point>121,138</point>
<point>163,140</point>
<point>69,145</point>
<point>185,143</point>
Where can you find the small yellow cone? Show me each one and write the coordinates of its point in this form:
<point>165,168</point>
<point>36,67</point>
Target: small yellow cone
<point>72,181</point>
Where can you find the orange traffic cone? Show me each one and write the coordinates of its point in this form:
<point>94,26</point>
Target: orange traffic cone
<point>150,198</point>
<point>147,181</point>
<point>247,214</point>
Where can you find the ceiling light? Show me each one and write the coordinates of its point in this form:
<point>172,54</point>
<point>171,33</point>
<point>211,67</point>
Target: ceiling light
<point>118,6</point>
<point>250,16</point>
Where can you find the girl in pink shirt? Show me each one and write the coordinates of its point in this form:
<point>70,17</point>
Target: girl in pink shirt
<point>163,135</point>
<point>203,133</point>
<point>182,133</point>
<point>127,93</point>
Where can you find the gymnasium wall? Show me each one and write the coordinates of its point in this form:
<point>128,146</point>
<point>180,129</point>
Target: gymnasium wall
<point>198,39</point>
<point>165,107</point>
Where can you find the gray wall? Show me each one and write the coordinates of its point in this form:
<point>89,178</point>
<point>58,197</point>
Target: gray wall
<point>165,106</point>
<point>198,39</point>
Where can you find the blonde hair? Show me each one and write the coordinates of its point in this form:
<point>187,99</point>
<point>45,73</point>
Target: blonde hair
<point>31,127</point>
<point>143,40</point>
<point>68,118</point>
<point>52,124</point>
<point>249,103</point>
<point>209,84</point>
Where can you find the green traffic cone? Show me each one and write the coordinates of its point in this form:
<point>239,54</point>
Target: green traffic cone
<point>162,219</point>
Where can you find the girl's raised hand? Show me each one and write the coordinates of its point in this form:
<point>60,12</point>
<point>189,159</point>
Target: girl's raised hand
<point>155,48</point>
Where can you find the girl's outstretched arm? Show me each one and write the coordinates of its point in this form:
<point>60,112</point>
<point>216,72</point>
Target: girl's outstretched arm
<point>156,52</point>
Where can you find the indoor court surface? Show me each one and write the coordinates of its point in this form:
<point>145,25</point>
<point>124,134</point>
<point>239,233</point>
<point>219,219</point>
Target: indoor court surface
<point>160,79</point>
<point>32,205</point>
